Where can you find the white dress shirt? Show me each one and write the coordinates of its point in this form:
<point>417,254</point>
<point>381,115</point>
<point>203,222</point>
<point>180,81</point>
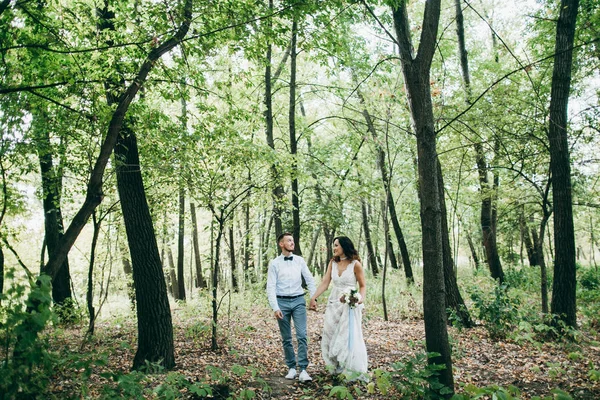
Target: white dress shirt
<point>285,279</point>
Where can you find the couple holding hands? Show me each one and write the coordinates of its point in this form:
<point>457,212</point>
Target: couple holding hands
<point>342,344</point>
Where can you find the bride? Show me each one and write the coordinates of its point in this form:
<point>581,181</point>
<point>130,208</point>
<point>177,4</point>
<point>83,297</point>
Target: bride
<point>342,344</point>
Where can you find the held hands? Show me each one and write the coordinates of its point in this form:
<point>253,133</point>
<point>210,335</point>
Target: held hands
<point>313,304</point>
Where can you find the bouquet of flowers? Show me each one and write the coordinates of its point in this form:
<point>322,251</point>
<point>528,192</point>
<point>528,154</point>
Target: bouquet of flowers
<point>351,296</point>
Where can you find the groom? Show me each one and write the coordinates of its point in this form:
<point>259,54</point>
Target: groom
<point>286,298</point>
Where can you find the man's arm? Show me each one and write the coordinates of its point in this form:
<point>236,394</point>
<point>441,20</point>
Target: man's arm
<point>271,286</point>
<point>308,278</point>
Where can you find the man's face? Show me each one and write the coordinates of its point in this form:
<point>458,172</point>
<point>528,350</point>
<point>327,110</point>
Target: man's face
<point>287,243</point>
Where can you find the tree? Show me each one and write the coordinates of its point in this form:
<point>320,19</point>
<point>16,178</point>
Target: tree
<point>563,288</point>
<point>416,70</point>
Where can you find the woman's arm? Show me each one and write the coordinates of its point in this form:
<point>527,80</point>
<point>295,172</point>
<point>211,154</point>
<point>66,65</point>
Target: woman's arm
<point>360,278</point>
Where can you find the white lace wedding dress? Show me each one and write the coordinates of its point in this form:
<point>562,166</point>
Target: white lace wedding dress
<point>342,344</point>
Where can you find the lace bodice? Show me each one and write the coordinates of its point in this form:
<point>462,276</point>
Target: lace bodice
<point>346,280</point>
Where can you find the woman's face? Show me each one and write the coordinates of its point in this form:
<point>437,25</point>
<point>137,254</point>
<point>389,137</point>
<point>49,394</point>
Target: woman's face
<point>337,249</point>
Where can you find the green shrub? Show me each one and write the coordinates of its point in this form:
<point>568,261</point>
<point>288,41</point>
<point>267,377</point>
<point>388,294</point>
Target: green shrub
<point>498,311</point>
<point>413,378</point>
<point>27,365</point>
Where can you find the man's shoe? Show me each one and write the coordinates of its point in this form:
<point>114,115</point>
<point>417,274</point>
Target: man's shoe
<point>304,376</point>
<point>291,374</point>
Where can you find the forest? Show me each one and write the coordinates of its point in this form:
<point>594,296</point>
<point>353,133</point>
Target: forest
<point>152,152</point>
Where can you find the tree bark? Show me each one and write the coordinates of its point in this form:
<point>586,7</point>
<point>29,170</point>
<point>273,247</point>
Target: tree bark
<point>128,274</point>
<point>487,225</point>
<point>155,328</point>
<point>180,248</point>
<point>417,80</point>
<point>277,191</point>
<point>215,284</point>
<point>294,141</point>
<point>90,284</point>
<point>529,247</point>
<point>454,300</point>
<point>173,285</point>
<point>564,302</point>
<point>234,280</point>
<point>200,281</point>
<point>371,252</point>
<point>53,220</point>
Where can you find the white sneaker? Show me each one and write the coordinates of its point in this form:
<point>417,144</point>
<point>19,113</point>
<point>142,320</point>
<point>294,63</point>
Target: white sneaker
<point>291,374</point>
<point>304,376</point>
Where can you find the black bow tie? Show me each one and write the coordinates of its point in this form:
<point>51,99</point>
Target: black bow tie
<point>290,258</point>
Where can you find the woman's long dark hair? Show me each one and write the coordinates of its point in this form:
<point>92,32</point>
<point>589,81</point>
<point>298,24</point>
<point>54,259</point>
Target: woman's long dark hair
<point>348,248</point>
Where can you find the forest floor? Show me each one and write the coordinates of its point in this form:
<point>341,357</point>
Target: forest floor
<point>251,340</point>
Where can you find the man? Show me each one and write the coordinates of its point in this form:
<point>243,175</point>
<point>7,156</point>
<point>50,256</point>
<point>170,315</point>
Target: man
<point>286,298</point>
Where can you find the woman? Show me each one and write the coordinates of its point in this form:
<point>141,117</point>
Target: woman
<point>342,344</point>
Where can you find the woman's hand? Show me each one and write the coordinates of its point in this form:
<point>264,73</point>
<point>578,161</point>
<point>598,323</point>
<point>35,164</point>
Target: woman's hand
<point>313,304</point>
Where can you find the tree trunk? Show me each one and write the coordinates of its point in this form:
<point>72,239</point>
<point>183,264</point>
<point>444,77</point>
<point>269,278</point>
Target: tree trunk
<point>329,233</point>
<point>200,281</point>
<point>234,280</point>
<point>90,284</point>
<point>278,191</point>
<point>215,284</point>
<point>155,329</point>
<point>313,247</point>
<point>564,284</point>
<point>417,80</point>
<point>473,249</point>
<point>539,250</point>
<point>173,285</point>
<point>128,274</point>
<point>180,238</point>
<point>294,141</point>
<point>454,300</point>
<point>1,272</point>
<point>487,217</point>
<point>53,221</point>
<point>529,246</point>
<point>249,274</point>
<point>371,256</point>
<point>487,225</point>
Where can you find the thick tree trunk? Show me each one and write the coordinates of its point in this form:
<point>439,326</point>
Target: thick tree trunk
<point>155,329</point>
<point>180,250</point>
<point>564,284</point>
<point>417,80</point>
<point>200,281</point>
<point>371,256</point>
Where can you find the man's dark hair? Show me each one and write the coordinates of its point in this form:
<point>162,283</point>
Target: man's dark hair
<point>283,235</point>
